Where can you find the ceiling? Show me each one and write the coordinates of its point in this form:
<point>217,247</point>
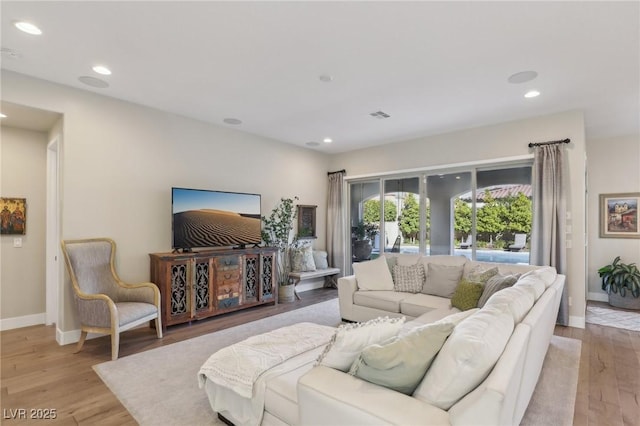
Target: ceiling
<point>433,67</point>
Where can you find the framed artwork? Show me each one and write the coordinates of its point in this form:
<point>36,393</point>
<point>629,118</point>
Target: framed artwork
<point>619,215</point>
<point>13,216</point>
<point>306,221</point>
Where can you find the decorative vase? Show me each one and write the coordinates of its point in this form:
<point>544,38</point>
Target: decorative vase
<point>627,302</point>
<point>286,293</point>
<point>362,249</point>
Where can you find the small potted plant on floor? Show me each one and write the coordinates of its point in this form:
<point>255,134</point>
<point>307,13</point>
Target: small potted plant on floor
<point>622,282</point>
<point>277,232</point>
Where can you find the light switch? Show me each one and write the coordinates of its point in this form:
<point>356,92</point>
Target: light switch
<point>17,242</point>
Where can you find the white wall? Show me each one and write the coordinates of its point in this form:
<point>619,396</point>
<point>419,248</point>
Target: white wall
<point>488,143</point>
<point>120,160</point>
<point>613,168</point>
<point>23,168</point>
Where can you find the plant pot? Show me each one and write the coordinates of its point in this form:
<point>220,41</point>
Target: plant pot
<point>626,302</point>
<point>362,249</point>
<point>286,293</point>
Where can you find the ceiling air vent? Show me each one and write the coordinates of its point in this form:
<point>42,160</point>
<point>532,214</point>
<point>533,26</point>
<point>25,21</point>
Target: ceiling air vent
<point>380,114</point>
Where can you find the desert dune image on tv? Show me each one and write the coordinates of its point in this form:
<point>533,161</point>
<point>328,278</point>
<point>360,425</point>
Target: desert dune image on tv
<point>215,219</point>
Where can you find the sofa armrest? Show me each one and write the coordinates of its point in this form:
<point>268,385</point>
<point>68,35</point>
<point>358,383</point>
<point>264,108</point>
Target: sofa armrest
<point>331,397</point>
<point>347,286</point>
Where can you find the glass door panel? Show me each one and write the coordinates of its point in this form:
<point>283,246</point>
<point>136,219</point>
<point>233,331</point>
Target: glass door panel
<point>364,219</point>
<point>444,229</point>
<point>402,215</point>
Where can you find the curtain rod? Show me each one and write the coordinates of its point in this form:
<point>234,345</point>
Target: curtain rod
<point>531,145</point>
<point>337,171</point>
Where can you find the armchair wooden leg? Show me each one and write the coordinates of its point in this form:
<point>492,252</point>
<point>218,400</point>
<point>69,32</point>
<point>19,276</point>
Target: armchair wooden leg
<point>115,345</point>
<point>83,336</point>
<point>159,327</point>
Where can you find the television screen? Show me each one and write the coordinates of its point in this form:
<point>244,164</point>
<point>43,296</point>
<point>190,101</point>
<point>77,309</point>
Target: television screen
<point>214,218</point>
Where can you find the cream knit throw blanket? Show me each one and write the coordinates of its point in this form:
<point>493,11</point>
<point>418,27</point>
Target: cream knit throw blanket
<point>238,366</point>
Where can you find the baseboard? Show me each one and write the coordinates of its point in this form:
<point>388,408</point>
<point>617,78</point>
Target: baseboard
<point>73,336</point>
<point>597,296</point>
<point>576,322</point>
<point>24,321</point>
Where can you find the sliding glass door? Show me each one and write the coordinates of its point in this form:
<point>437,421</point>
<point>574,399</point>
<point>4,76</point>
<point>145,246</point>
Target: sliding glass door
<point>481,213</point>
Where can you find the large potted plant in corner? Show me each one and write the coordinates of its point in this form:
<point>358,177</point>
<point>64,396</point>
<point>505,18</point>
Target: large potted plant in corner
<point>277,232</point>
<point>364,235</point>
<point>622,282</point>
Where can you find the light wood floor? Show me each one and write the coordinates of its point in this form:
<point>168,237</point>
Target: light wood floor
<point>37,373</point>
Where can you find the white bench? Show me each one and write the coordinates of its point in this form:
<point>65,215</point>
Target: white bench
<point>329,280</point>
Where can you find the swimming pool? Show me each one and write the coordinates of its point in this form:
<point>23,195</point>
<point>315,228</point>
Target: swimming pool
<point>484,255</point>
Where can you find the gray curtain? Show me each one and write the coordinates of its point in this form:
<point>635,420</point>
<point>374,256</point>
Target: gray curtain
<point>548,235</point>
<point>336,222</point>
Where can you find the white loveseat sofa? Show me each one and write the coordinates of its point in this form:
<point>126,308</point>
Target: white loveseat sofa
<point>515,326</point>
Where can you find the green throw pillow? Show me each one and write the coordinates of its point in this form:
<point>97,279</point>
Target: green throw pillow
<point>400,363</point>
<point>466,295</point>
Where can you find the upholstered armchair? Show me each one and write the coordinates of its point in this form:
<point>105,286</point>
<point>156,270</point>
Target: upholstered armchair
<point>106,304</point>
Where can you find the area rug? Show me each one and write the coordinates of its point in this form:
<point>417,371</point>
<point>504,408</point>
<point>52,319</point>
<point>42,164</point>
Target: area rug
<point>613,318</point>
<point>553,401</point>
<point>159,386</point>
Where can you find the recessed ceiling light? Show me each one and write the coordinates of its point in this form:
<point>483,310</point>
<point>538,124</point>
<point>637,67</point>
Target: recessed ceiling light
<point>101,69</point>
<point>93,82</point>
<point>522,77</point>
<point>28,28</point>
<point>312,143</point>
<point>2,115</point>
<point>327,140</point>
<point>532,94</point>
<point>233,121</point>
<point>325,78</point>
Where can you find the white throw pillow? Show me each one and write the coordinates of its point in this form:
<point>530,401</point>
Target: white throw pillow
<point>320,259</point>
<point>302,259</point>
<point>373,275</point>
<point>467,357</point>
<point>350,339</point>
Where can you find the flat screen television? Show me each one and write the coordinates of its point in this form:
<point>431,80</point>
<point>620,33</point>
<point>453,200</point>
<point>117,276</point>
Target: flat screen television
<point>203,218</point>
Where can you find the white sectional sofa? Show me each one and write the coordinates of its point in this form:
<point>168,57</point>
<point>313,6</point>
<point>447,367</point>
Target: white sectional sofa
<point>484,374</point>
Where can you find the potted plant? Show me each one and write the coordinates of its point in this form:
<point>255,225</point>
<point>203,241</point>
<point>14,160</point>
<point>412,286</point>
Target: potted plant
<point>622,282</point>
<point>364,235</point>
<point>277,232</point>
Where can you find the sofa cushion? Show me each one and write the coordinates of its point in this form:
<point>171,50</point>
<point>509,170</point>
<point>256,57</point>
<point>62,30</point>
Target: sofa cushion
<point>518,301</point>
<point>442,280</point>
<point>452,315</point>
<point>373,275</point>
<point>494,284</point>
<point>388,301</point>
<point>401,362</point>
<point>417,304</point>
<point>281,396</point>
<point>408,278</point>
<point>302,259</point>
<point>532,283</point>
<point>467,357</point>
<point>350,339</point>
<point>320,259</point>
<point>466,295</point>
<point>407,259</point>
<point>546,273</point>
<point>443,259</point>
